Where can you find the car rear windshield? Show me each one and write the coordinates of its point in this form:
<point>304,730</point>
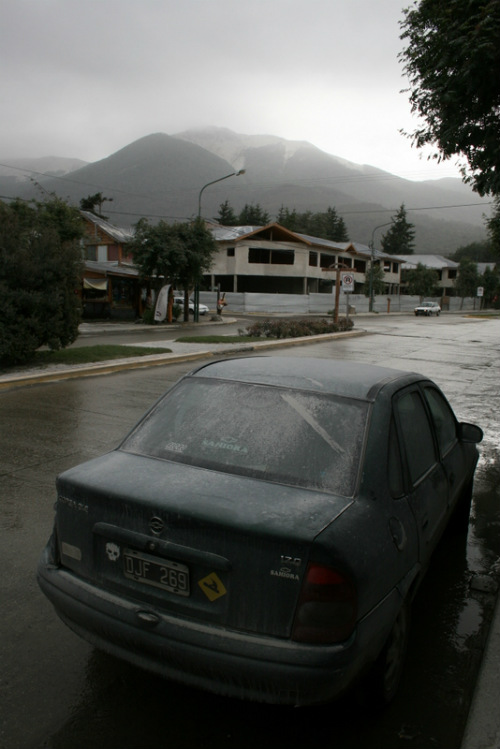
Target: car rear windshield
<point>282,435</point>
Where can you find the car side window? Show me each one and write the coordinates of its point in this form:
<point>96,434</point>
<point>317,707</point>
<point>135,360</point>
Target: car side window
<point>394,465</point>
<point>443,417</point>
<point>416,434</point>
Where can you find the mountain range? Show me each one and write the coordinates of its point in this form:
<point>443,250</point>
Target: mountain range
<point>161,176</point>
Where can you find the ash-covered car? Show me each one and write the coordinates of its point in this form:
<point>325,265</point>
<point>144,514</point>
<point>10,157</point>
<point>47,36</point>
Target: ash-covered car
<point>263,529</point>
<point>428,309</point>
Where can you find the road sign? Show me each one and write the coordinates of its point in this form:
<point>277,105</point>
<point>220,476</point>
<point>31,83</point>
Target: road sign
<point>480,291</point>
<point>347,283</point>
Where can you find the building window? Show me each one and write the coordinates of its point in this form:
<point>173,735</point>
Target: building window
<point>360,266</point>
<point>113,252</point>
<point>259,255</point>
<point>282,257</point>
<point>230,251</point>
<point>90,252</point>
<point>452,273</point>
<point>325,261</point>
<point>313,259</point>
<point>271,257</point>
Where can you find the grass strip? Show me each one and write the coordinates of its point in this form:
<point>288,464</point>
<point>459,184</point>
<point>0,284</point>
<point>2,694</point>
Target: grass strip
<point>92,354</point>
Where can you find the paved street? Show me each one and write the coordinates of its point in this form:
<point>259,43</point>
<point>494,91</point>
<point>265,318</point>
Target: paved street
<point>59,693</point>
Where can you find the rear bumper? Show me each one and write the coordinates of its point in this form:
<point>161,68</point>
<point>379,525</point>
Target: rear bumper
<point>222,661</point>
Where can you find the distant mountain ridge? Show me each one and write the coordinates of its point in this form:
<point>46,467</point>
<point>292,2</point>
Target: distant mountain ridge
<point>160,176</point>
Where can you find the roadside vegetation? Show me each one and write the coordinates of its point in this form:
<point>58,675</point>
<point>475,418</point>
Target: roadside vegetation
<point>89,355</point>
<point>40,268</point>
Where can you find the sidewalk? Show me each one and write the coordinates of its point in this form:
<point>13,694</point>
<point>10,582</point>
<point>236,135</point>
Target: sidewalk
<point>483,724</point>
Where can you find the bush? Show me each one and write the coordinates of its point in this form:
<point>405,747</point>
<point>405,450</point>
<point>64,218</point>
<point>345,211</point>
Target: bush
<point>40,274</point>
<point>296,328</point>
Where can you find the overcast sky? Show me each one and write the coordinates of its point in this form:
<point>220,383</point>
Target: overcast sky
<point>84,78</point>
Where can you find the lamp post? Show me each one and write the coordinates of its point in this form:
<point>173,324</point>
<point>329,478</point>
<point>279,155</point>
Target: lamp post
<point>372,247</point>
<point>196,315</point>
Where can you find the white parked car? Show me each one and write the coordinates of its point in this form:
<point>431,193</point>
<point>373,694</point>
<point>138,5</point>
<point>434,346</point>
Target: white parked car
<point>428,308</point>
<point>202,308</point>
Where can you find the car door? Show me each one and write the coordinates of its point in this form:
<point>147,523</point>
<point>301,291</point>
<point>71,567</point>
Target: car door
<point>426,481</point>
<point>450,449</point>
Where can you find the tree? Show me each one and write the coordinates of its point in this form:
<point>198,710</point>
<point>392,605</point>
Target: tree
<point>334,227</point>
<point>328,225</point>
<point>287,219</point>
<point>89,203</point>
<point>480,252</point>
<point>467,279</point>
<point>374,280</point>
<point>398,240</point>
<point>40,274</point>
<point>422,281</point>
<point>493,228</point>
<point>178,253</point>
<point>227,216</point>
<point>490,281</point>
<point>452,62</point>
<point>253,215</point>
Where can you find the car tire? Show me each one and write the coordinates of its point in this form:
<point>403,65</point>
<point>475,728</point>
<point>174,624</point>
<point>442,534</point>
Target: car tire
<point>382,683</point>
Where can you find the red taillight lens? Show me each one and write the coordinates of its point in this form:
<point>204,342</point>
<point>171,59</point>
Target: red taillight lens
<point>326,610</point>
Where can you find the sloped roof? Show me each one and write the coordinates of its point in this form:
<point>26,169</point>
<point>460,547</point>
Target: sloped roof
<point>121,236</point>
<point>280,233</point>
<point>437,262</point>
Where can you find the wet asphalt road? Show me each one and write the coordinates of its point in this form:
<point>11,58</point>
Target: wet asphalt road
<point>57,692</point>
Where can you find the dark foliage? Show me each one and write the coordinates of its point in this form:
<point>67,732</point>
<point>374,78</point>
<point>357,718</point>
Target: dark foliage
<point>269,328</point>
<point>452,62</point>
<point>40,273</point>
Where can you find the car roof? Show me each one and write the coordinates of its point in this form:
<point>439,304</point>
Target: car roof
<point>340,377</point>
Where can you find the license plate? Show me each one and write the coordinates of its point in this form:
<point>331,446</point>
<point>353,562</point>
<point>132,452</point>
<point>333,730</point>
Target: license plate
<point>160,573</point>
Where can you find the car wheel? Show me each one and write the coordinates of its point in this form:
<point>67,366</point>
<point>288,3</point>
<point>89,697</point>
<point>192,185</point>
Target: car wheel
<point>383,681</point>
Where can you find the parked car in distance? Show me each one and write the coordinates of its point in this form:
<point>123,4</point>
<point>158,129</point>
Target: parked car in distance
<point>202,308</point>
<point>263,529</point>
<point>428,308</point>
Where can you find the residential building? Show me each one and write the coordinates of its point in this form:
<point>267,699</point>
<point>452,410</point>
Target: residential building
<point>445,268</point>
<point>273,259</point>
<point>110,284</point>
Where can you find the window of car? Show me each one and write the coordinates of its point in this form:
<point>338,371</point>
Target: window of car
<point>278,434</point>
<point>394,465</point>
<point>443,418</point>
<point>416,434</point>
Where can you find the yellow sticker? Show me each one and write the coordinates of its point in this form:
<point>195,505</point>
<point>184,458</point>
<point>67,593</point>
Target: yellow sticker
<point>212,586</point>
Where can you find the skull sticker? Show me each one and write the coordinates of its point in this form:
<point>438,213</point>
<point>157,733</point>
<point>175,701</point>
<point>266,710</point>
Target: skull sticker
<point>113,551</point>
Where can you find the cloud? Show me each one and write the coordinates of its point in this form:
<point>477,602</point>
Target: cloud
<point>84,79</point>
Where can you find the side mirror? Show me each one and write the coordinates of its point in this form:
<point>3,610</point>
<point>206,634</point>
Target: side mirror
<point>469,433</point>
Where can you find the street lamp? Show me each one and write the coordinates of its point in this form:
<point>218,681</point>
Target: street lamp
<point>196,315</point>
<point>372,247</point>
<point>233,174</point>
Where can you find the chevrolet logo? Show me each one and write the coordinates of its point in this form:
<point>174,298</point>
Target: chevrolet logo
<point>156,525</point>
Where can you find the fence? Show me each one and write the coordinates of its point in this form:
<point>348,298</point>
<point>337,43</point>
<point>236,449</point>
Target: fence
<point>322,304</point>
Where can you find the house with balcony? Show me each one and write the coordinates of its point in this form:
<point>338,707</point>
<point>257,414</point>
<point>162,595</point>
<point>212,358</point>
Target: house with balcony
<point>272,259</point>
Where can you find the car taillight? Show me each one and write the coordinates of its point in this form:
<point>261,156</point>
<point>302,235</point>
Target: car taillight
<point>326,610</point>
